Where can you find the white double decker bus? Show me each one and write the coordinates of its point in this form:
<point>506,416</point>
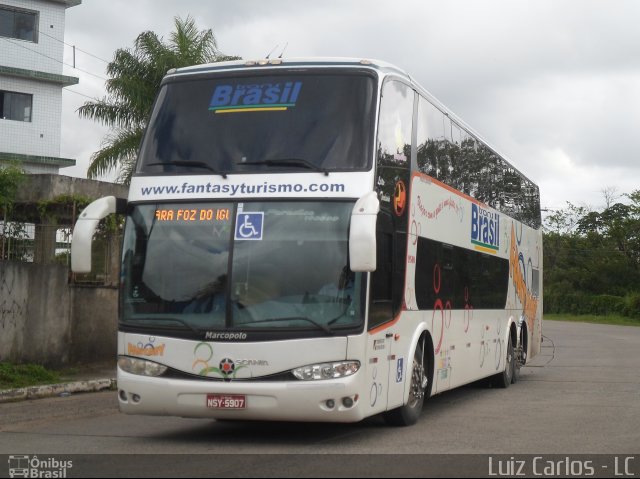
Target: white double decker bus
<point>317,240</point>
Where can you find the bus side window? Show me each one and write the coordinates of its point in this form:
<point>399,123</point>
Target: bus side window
<point>399,270</point>
<point>381,294</point>
<point>535,282</point>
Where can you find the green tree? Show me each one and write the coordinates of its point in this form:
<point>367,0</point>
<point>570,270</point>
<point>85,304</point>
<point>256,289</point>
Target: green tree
<point>618,225</point>
<point>592,259</point>
<point>11,177</point>
<point>135,77</point>
<point>564,221</point>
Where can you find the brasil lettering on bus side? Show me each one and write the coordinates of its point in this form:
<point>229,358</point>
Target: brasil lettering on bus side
<point>485,229</point>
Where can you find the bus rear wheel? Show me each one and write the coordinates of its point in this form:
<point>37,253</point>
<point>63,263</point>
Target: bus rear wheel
<point>520,355</point>
<point>409,413</point>
<point>505,378</point>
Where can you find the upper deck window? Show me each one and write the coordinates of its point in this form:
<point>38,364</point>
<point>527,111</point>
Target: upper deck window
<point>289,122</point>
<point>450,154</point>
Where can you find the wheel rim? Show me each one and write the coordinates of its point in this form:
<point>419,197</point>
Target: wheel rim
<point>509,362</point>
<point>419,381</point>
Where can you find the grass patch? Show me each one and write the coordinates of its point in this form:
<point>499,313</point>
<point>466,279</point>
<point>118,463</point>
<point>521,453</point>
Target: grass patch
<point>22,375</point>
<point>592,318</point>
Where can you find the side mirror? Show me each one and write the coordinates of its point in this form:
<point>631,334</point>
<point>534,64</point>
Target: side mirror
<point>362,233</point>
<point>85,228</point>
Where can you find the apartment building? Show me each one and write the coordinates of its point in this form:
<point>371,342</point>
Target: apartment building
<point>31,83</point>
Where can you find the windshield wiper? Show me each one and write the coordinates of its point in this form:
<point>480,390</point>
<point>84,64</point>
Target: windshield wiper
<point>340,316</point>
<point>324,327</point>
<point>299,162</point>
<point>180,321</point>
<point>199,164</point>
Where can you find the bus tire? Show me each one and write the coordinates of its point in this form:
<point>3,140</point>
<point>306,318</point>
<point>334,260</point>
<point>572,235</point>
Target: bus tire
<point>505,378</point>
<point>409,413</point>
<point>521,355</point>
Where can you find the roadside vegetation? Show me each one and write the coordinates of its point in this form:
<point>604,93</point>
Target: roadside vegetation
<point>23,375</point>
<point>592,261</point>
<point>613,319</point>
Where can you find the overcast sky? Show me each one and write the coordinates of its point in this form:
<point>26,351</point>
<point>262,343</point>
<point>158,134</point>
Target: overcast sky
<point>554,85</point>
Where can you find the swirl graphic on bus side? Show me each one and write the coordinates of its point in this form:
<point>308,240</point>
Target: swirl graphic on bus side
<point>438,306</point>
<point>203,357</point>
<point>399,198</point>
<point>468,310</point>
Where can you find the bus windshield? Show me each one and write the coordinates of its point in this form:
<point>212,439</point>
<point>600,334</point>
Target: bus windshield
<point>271,123</point>
<point>248,266</point>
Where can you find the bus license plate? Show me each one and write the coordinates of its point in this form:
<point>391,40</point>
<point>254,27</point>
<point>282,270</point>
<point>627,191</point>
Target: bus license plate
<point>225,401</point>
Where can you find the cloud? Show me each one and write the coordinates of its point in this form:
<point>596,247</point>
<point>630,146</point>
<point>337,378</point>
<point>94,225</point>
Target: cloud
<point>553,85</point>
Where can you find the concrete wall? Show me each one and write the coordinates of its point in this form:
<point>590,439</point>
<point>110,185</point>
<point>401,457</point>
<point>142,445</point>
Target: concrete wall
<point>48,187</point>
<point>14,285</point>
<point>94,324</point>
<point>45,320</point>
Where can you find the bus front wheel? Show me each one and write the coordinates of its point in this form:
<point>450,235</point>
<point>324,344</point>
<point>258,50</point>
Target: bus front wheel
<point>408,414</point>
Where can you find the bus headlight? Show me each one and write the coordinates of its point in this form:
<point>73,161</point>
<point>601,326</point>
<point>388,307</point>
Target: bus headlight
<point>335,370</point>
<point>141,367</point>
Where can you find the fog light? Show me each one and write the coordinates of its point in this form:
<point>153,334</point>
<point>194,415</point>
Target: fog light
<point>347,402</point>
<point>135,398</point>
<point>123,395</point>
<point>330,403</point>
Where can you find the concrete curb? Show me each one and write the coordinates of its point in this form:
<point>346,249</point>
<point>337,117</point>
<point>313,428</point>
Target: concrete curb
<point>50,390</point>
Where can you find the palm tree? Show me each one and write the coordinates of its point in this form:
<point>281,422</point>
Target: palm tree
<point>135,78</point>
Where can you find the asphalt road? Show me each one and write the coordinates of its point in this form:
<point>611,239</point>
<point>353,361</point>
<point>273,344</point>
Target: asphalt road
<point>580,396</point>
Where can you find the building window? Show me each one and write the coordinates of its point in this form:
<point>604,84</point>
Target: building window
<point>15,106</point>
<point>20,24</point>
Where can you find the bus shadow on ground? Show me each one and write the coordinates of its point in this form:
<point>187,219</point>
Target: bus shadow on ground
<point>281,433</point>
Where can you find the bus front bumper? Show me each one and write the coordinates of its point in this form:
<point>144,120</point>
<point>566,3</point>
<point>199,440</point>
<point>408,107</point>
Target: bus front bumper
<point>324,401</point>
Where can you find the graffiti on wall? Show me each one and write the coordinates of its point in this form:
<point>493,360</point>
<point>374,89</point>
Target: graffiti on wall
<point>12,307</point>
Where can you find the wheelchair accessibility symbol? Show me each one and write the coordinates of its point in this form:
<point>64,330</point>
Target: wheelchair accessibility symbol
<point>249,226</point>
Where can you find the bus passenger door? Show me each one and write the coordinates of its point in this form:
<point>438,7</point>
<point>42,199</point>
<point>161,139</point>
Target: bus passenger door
<point>387,288</point>
<point>380,313</point>
<point>385,357</point>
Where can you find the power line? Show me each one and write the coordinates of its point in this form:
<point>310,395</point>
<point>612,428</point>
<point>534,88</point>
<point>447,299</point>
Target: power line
<point>54,59</point>
<point>75,47</point>
<point>81,94</point>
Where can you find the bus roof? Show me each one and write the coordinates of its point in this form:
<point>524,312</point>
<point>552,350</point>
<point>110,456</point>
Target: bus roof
<point>317,62</point>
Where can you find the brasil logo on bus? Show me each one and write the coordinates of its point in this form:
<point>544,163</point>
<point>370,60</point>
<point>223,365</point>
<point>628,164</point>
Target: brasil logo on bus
<point>255,97</point>
<point>485,229</point>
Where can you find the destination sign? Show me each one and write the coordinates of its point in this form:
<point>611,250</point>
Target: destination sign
<point>193,214</point>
